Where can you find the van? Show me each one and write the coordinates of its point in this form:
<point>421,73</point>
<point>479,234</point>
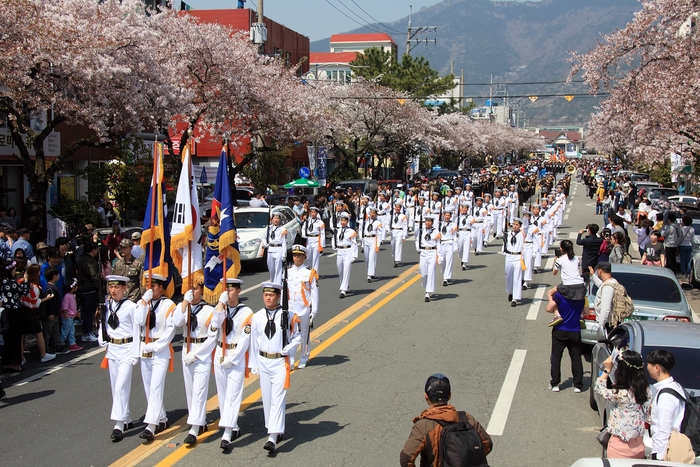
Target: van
<point>366,186</point>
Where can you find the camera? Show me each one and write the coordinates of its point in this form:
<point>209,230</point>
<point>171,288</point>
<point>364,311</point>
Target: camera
<point>557,252</point>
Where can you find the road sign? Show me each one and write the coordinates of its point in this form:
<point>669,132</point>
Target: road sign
<point>203,177</point>
<point>304,172</point>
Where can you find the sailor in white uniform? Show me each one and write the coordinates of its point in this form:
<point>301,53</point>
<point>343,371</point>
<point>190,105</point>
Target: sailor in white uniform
<point>427,240</point>
<point>514,242</point>
<point>302,289</point>
<point>274,337</point>
<point>314,231</point>
<point>480,214</point>
<point>398,223</point>
<point>448,236</point>
<point>122,354</point>
<point>372,238</point>
<point>345,245</point>
<point>464,242</point>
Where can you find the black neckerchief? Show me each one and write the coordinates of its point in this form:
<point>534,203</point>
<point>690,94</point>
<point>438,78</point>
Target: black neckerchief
<point>230,316</point>
<point>152,313</point>
<point>271,327</point>
<point>194,309</point>
<point>113,319</point>
<point>429,233</point>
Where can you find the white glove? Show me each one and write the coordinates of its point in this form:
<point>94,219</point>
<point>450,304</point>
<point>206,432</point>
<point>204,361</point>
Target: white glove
<point>223,298</point>
<point>227,363</point>
<point>134,361</point>
<point>254,371</point>
<point>147,296</point>
<point>287,349</point>
<point>189,296</point>
<point>147,348</point>
<point>189,358</point>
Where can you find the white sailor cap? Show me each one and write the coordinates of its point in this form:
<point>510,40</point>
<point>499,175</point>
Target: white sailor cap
<point>344,215</point>
<point>479,198</point>
<point>116,280</point>
<point>364,196</point>
<point>271,287</point>
<point>511,186</point>
<point>314,208</point>
<point>155,278</point>
<point>398,202</point>
<point>518,220</point>
<point>373,208</point>
<point>233,281</point>
<point>275,213</point>
<point>299,249</point>
<point>429,218</point>
<point>536,206</point>
<point>488,194</point>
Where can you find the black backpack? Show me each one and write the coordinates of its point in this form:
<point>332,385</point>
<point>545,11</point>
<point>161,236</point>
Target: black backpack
<point>690,426</point>
<point>460,444</point>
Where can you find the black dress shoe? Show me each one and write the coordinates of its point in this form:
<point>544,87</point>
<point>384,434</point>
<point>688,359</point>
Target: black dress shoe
<point>464,268</point>
<point>342,294</point>
<point>524,286</point>
<point>269,446</point>
<point>190,439</point>
<point>117,435</point>
<point>396,265</point>
<point>162,426</point>
<point>202,429</point>
<point>444,283</point>
<point>280,437</point>
<point>369,280</point>
<point>234,434</point>
<point>510,297</point>
<point>147,435</point>
<point>128,426</point>
<point>225,445</point>
<point>427,299</point>
<point>535,271</point>
<point>513,303</point>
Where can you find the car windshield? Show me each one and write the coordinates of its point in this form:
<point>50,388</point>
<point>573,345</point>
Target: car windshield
<point>251,220</point>
<point>685,370</point>
<point>696,228</point>
<point>647,288</point>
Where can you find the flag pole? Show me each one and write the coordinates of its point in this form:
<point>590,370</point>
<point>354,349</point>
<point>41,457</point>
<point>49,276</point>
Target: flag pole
<point>152,220</point>
<point>189,247</point>
<point>225,271</point>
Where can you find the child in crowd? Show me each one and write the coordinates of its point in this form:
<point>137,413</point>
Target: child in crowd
<point>51,326</point>
<point>572,286</point>
<point>69,311</point>
<point>654,252</point>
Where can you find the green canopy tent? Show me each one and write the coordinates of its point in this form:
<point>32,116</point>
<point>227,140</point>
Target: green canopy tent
<point>302,183</point>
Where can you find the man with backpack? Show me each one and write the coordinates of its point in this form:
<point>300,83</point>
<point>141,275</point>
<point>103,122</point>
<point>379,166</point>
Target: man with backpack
<point>440,430</point>
<point>669,414</point>
<point>612,304</point>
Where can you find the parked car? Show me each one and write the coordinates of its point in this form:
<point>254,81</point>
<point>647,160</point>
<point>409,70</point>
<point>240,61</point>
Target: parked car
<point>681,339</point>
<point>620,462</point>
<point>654,194</point>
<point>243,196</point>
<point>251,227</point>
<point>366,186</point>
<point>634,176</point>
<point>126,231</point>
<point>656,293</point>
<point>683,199</point>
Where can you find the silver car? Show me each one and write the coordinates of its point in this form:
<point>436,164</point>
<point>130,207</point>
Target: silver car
<point>681,339</point>
<point>656,293</point>
<point>251,227</point>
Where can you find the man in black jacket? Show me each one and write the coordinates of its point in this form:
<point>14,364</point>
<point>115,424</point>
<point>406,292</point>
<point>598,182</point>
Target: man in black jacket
<point>591,244</point>
<point>89,288</point>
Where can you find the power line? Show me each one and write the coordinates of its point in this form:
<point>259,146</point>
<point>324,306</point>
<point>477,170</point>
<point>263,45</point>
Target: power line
<point>528,83</point>
<point>368,26</point>
<point>376,20</point>
<point>589,96</point>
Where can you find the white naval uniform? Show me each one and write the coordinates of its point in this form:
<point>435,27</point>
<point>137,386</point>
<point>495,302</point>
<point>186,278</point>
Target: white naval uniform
<point>425,194</point>
<point>434,208</point>
<point>411,202</point>
<point>344,242</point>
<point>119,355</point>
<point>314,231</point>
<point>155,367</point>
<point>446,248</point>
<point>399,231</point>
<point>464,226</point>
<point>276,252</point>
<point>383,216</point>
<point>529,251</point>
<point>467,197</point>
<point>362,217</point>
<point>426,246</point>
<point>196,375</point>
<point>514,243</point>
<point>513,202</point>
<point>229,381</point>
<point>274,368</point>
<point>549,231</point>
<point>302,285</point>
<point>488,221</point>
<point>500,214</point>
<point>479,227</point>
<point>538,240</point>
<point>373,234</point>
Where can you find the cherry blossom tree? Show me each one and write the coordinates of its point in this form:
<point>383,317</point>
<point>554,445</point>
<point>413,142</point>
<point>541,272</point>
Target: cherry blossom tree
<point>650,69</point>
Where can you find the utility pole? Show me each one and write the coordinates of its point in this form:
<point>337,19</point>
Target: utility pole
<point>258,31</point>
<point>413,33</point>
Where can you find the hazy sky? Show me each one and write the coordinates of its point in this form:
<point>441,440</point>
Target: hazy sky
<point>319,19</point>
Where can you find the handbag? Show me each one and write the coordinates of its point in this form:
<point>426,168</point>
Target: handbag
<point>603,438</point>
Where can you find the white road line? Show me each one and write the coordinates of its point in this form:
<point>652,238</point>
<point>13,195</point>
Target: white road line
<point>539,295</point>
<point>59,367</point>
<point>573,235</point>
<point>497,423</point>
<point>566,217</point>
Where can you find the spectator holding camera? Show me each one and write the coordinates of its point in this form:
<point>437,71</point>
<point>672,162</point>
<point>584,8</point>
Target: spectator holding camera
<point>591,244</point>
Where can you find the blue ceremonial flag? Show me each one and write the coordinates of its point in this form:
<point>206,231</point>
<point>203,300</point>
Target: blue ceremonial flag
<point>221,236</point>
<point>156,230</point>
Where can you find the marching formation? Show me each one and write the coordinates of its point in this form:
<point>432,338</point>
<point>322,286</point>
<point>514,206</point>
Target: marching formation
<point>139,320</point>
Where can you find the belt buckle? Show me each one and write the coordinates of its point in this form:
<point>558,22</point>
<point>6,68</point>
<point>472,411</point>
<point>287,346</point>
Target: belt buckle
<point>146,354</point>
<point>221,359</point>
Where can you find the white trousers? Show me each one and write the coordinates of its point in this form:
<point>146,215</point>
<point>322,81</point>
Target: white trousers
<point>313,254</point>
<point>465,240</point>
<point>498,221</point>
<point>447,254</point>
<point>120,372</point>
<point>196,376</point>
<point>428,269</point>
<point>397,245</point>
<point>537,263</point>
<point>229,387</point>
<point>153,371</point>
<point>411,217</point>
<point>371,255</point>
<point>528,257</point>
<point>512,211</point>
<point>478,235</point>
<point>274,396</point>
<point>488,224</point>
<point>305,344</point>
<point>344,262</point>
<point>275,256</point>
<point>514,276</point>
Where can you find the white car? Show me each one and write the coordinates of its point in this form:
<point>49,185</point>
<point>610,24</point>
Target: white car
<point>683,199</point>
<point>251,227</point>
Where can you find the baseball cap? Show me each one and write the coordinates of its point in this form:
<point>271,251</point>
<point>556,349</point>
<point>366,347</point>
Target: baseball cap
<point>126,243</point>
<point>136,235</point>
<point>438,388</point>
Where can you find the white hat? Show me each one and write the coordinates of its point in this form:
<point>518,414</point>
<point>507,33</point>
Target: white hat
<point>156,278</point>
<point>232,280</point>
<point>344,215</point>
<point>121,280</point>
<point>299,249</point>
<point>271,287</point>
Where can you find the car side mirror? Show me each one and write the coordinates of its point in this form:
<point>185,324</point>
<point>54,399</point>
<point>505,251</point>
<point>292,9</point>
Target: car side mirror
<point>602,335</point>
<point>686,286</point>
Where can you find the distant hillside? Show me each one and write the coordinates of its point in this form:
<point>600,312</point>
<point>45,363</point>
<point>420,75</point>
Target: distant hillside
<point>516,42</point>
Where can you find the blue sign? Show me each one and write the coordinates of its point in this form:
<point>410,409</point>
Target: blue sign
<point>304,172</point>
<point>203,177</point>
<point>321,165</point>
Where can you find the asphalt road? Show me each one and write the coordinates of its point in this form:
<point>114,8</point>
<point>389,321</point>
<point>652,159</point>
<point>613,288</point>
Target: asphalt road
<point>354,403</point>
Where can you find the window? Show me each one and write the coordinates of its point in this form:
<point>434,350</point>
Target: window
<point>649,288</point>
<point>685,370</point>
